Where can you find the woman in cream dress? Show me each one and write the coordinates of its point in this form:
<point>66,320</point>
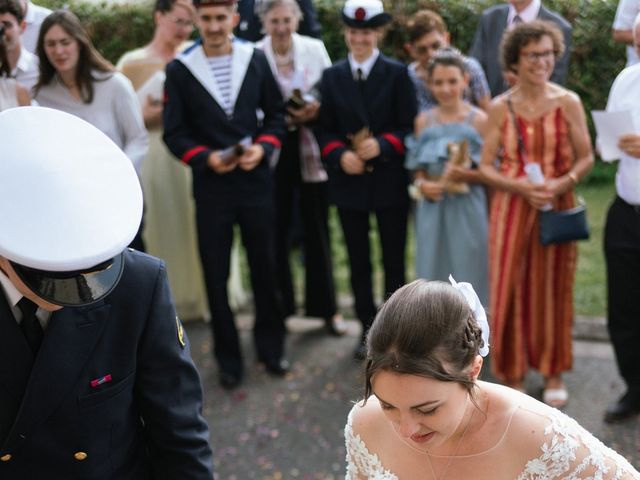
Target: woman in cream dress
<point>169,230</point>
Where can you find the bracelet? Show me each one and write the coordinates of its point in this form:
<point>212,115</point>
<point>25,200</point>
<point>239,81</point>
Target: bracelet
<point>573,177</point>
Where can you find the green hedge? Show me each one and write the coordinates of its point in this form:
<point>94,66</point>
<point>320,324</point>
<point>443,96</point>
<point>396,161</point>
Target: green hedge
<point>595,60</point>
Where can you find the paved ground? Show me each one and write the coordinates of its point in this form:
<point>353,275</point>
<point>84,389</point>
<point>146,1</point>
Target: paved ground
<point>291,428</point>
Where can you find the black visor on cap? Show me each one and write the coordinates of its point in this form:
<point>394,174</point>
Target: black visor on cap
<point>73,289</point>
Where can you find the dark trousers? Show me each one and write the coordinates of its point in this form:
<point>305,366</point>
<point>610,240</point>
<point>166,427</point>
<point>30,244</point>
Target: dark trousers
<point>392,228</point>
<point>622,253</point>
<point>312,213</point>
<point>215,237</point>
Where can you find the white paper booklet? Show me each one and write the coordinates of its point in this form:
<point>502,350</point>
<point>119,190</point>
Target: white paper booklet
<point>610,126</point>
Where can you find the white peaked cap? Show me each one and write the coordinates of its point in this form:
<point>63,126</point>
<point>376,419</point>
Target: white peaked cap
<point>69,197</point>
<point>364,13</point>
<point>371,8</point>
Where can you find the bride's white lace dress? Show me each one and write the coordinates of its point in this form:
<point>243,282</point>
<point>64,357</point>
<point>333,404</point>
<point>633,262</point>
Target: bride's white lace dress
<point>569,452</point>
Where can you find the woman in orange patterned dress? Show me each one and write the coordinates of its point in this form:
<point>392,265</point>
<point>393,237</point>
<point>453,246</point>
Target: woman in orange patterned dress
<point>531,285</point>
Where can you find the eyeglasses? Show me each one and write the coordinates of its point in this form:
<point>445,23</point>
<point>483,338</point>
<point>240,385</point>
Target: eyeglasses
<point>424,49</point>
<point>534,57</point>
<point>179,22</point>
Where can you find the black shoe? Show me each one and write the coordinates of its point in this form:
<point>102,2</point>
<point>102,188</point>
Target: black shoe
<point>360,352</point>
<point>229,381</point>
<point>336,325</point>
<point>626,407</point>
<point>278,368</point>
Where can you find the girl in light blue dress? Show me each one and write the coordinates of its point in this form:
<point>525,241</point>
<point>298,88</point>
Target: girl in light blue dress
<point>451,212</point>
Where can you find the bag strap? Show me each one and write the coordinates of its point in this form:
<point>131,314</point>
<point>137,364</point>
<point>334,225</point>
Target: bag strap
<point>521,148</point>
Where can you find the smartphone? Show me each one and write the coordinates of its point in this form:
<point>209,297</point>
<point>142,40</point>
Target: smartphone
<point>230,154</point>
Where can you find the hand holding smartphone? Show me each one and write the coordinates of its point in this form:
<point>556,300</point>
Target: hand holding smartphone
<point>231,154</point>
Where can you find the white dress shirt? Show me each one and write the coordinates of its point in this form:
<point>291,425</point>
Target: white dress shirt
<point>625,95</point>
<point>365,66</point>
<point>625,16</point>
<point>34,17</point>
<point>27,69</point>
<point>13,296</point>
<point>529,14</point>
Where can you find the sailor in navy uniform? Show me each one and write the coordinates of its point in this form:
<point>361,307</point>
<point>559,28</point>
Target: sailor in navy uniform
<point>96,378</point>
<point>368,107</point>
<point>212,94</point>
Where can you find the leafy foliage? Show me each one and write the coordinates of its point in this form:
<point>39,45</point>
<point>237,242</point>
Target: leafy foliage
<point>595,61</point>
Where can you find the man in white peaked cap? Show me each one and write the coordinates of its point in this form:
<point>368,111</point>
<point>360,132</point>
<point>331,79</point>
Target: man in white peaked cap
<point>96,379</point>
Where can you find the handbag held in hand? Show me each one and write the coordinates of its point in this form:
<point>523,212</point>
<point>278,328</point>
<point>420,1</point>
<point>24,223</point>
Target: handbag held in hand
<point>555,226</point>
<point>564,225</point>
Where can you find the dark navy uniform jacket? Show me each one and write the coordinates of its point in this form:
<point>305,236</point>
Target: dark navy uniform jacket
<point>113,393</point>
<point>387,106</point>
<point>195,124</point>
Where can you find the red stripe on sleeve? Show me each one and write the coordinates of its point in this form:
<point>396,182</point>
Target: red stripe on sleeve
<point>273,140</point>
<point>395,142</point>
<point>191,153</point>
<point>331,146</point>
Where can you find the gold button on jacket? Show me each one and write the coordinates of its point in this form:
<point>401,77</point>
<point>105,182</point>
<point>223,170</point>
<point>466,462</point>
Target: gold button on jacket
<point>80,456</point>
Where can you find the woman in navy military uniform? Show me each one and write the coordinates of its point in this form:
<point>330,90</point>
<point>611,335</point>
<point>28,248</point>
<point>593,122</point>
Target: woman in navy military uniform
<point>368,107</point>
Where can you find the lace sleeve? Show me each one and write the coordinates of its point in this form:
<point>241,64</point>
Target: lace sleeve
<point>360,462</point>
<point>569,452</point>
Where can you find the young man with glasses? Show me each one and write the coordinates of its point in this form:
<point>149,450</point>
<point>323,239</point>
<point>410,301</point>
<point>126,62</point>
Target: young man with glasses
<point>428,34</point>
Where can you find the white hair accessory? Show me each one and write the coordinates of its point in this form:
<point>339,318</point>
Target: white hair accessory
<point>478,311</point>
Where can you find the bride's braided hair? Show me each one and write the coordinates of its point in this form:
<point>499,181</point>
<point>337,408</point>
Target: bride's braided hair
<point>425,329</point>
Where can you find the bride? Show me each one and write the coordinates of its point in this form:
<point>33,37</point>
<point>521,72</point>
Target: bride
<point>427,416</point>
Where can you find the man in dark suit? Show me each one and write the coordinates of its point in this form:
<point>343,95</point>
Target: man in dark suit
<point>96,378</point>
<point>499,18</point>
<point>250,26</point>
<point>368,107</point>
<point>213,92</point>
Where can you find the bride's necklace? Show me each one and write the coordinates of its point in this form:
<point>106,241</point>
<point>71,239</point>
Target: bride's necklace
<point>455,452</point>
<point>450,457</point>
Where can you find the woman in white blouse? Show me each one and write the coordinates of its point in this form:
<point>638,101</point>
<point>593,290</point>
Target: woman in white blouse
<point>75,78</point>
